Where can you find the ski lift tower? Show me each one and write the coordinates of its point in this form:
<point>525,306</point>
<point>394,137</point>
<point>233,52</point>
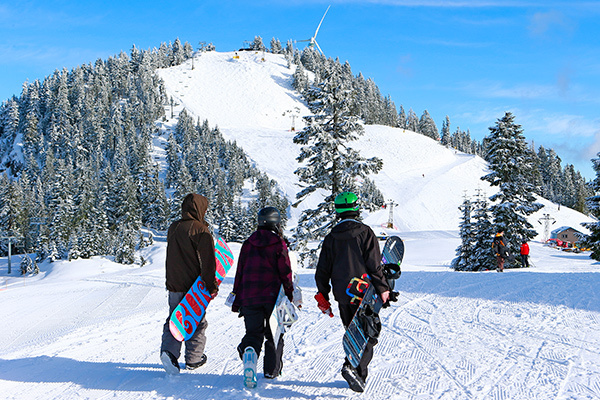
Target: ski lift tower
<point>546,221</point>
<point>11,239</point>
<point>390,206</point>
<point>293,115</point>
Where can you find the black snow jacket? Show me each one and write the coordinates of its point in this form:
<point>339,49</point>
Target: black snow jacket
<point>349,250</point>
<point>500,248</point>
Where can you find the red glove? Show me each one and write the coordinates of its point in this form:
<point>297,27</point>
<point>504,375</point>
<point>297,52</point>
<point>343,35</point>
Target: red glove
<point>323,304</point>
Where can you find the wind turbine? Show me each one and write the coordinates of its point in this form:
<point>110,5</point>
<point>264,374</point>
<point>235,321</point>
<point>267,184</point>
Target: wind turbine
<point>313,40</point>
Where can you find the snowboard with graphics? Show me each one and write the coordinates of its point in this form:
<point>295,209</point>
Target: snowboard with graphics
<point>365,325</point>
<point>283,316</point>
<point>188,314</point>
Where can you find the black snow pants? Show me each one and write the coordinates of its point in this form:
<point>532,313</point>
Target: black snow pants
<point>256,320</point>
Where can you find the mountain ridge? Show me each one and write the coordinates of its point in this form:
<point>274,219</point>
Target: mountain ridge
<point>249,99</point>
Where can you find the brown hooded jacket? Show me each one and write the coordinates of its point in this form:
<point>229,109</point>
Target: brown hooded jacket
<point>190,248</point>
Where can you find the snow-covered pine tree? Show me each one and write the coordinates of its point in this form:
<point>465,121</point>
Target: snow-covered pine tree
<point>61,207</point>
<point>153,200</point>
<point>276,47</point>
<point>593,204</point>
<point>328,164</point>
<point>257,44</point>
<point>445,134</point>
<point>300,80</point>
<point>173,161</point>
<point>370,196</point>
<point>579,192</point>
<point>177,53</point>
<point>509,160</point>
<point>412,121</point>
<point>465,252</point>
<point>483,258</point>
<point>28,266</point>
<point>427,126</point>
<point>551,173</point>
<point>391,115</point>
<point>269,196</point>
<point>402,118</point>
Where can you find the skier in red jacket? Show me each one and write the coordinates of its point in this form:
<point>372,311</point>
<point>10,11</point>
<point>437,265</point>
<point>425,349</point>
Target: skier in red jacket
<point>524,254</point>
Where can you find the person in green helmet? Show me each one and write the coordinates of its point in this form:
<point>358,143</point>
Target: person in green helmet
<point>350,250</point>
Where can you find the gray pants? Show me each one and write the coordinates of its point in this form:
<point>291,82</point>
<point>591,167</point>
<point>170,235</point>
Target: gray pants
<point>194,346</point>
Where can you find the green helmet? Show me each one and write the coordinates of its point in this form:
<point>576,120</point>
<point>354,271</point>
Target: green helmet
<point>346,201</point>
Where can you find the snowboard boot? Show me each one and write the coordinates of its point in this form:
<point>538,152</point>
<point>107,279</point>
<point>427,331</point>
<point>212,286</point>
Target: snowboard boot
<point>273,375</point>
<point>355,382</point>
<point>169,362</point>
<point>198,364</point>
<point>249,358</point>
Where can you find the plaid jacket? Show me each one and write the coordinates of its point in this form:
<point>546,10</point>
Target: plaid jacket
<point>263,266</point>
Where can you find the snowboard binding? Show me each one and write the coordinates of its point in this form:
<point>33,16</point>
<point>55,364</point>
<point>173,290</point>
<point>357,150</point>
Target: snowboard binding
<point>391,273</point>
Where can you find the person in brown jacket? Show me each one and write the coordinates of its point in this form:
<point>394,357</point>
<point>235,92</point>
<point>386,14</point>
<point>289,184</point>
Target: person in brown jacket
<point>190,253</point>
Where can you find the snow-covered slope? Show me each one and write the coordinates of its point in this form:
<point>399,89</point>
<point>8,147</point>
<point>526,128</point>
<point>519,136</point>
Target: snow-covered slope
<point>251,101</point>
<point>91,329</point>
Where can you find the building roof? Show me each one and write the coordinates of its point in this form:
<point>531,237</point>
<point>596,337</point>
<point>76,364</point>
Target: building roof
<point>564,228</point>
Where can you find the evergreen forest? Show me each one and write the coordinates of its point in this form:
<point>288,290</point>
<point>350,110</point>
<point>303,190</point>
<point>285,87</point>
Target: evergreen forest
<point>78,178</point>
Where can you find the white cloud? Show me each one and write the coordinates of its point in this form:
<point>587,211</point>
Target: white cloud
<point>544,24</point>
<point>496,90</point>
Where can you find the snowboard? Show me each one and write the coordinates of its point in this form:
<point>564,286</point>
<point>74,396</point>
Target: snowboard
<point>283,316</point>
<point>365,325</point>
<point>188,314</point>
<point>250,360</point>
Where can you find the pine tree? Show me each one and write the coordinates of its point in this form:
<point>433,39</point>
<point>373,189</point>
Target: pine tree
<point>402,118</point>
<point>412,121</point>
<point>445,134</point>
<point>276,46</point>
<point>427,126</point>
<point>173,162</point>
<point>483,258</point>
<point>465,252</point>
<point>593,203</point>
<point>510,163</point>
<point>371,198</point>
<point>28,266</point>
<point>300,81</point>
<point>328,163</point>
<point>177,53</point>
<point>258,44</point>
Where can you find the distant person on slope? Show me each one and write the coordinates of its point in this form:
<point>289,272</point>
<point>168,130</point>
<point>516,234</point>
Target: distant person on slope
<point>500,250</point>
<point>524,254</point>
<point>350,250</point>
<point>263,266</point>
<point>190,253</point>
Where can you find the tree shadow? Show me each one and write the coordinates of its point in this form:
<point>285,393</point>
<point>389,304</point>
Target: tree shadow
<point>577,290</point>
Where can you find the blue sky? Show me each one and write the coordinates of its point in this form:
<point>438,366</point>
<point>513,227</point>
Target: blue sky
<point>471,60</point>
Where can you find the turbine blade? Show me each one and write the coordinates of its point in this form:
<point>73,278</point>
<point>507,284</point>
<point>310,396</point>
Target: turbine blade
<point>319,47</point>
<point>318,27</point>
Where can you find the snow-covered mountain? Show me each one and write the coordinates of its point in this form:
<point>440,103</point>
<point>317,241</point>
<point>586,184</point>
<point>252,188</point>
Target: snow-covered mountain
<point>251,100</point>
<point>91,329</point>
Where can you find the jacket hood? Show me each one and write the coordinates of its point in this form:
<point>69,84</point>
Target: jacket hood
<point>194,206</point>
<point>347,229</point>
<point>263,238</point>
